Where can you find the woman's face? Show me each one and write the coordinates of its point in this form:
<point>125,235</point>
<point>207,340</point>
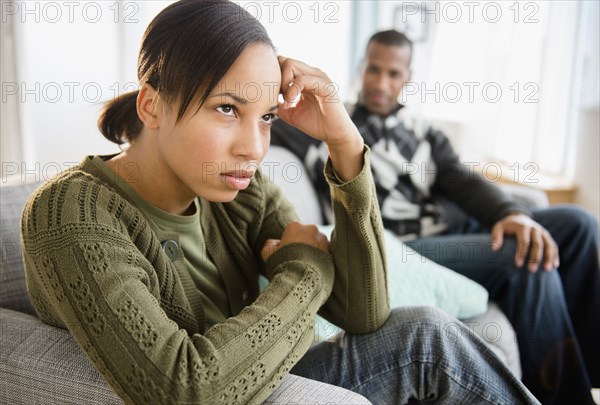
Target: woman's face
<point>214,152</point>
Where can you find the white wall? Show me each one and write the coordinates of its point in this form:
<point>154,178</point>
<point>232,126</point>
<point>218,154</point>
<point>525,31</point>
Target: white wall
<point>587,167</point>
<point>66,65</point>
<point>317,33</point>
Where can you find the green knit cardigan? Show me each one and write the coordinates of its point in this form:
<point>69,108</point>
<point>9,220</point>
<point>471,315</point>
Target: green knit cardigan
<point>94,265</point>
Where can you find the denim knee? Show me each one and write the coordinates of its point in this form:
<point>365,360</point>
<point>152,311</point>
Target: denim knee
<point>425,329</point>
<point>576,215</point>
<point>552,282</point>
<point>583,220</point>
<point>569,219</point>
<point>424,314</point>
<point>430,320</point>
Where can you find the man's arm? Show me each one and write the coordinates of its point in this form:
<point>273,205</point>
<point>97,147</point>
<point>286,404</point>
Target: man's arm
<point>491,206</point>
<point>479,198</point>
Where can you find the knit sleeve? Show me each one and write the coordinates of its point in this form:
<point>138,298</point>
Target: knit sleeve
<point>97,276</point>
<point>359,301</point>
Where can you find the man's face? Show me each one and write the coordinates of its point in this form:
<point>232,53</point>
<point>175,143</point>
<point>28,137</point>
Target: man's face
<point>387,68</point>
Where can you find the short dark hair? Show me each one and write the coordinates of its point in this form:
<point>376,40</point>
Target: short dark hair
<point>391,37</point>
<point>186,50</point>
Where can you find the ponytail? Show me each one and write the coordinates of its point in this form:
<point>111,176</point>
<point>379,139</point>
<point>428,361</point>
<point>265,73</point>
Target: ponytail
<point>119,122</point>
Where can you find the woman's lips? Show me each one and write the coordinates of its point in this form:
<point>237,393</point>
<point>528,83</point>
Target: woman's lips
<point>237,180</point>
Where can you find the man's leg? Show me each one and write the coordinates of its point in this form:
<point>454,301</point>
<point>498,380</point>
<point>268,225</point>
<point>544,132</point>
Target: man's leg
<point>576,234</point>
<point>534,303</point>
<point>419,354</point>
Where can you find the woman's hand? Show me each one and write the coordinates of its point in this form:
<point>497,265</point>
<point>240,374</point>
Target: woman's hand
<point>295,232</point>
<point>320,113</point>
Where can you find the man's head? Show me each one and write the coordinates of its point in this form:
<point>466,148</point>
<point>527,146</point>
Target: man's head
<point>386,70</point>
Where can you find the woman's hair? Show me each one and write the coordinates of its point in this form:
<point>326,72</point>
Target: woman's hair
<point>186,51</point>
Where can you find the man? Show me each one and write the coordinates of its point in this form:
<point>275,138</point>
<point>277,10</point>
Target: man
<point>429,198</point>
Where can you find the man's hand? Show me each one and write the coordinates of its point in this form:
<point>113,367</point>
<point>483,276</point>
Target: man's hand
<point>295,232</point>
<point>531,238</point>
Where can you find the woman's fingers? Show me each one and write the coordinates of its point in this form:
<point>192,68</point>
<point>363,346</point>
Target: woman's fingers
<point>296,232</point>
<point>270,246</point>
<point>292,93</point>
<point>319,112</point>
<point>298,77</point>
<point>287,71</point>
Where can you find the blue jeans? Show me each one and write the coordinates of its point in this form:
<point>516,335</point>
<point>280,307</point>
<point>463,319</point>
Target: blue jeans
<point>419,355</point>
<point>555,315</point>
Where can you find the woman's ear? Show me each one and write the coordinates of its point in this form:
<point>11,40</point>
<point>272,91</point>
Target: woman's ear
<point>147,106</point>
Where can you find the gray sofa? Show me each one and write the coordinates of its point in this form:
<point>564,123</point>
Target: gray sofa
<point>43,364</point>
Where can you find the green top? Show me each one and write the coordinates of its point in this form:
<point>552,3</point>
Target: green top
<point>95,266</point>
<point>193,246</point>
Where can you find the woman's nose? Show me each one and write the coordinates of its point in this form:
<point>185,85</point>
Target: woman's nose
<point>250,142</point>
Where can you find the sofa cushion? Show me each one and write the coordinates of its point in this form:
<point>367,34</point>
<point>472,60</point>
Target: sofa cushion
<point>415,280</point>
<point>495,329</point>
<point>283,168</point>
<point>13,292</point>
<point>300,390</point>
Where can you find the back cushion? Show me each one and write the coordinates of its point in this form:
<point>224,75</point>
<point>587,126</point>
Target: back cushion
<point>285,170</point>
<point>13,293</point>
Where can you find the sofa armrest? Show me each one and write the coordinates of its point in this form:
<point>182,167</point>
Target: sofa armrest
<point>300,390</point>
<point>533,198</point>
<point>43,364</point>
<point>495,329</point>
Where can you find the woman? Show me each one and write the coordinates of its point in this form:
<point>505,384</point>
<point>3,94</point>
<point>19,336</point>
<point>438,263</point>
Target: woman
<point>150,257</point>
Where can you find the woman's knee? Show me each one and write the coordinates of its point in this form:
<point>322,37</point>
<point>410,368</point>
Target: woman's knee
<point>422,328</point>
<point>427,317</point>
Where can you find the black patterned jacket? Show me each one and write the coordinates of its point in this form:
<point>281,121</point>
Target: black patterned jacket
<point>422,187</point>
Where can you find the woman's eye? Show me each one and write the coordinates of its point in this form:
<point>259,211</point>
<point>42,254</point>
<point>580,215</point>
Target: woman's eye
<point>269,118</point>
<point>226,109</point>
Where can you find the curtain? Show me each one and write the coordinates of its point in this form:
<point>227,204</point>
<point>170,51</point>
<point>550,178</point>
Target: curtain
<point>11,147</point>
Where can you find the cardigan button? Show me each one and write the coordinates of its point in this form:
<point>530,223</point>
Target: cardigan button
<point>171,248</point>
